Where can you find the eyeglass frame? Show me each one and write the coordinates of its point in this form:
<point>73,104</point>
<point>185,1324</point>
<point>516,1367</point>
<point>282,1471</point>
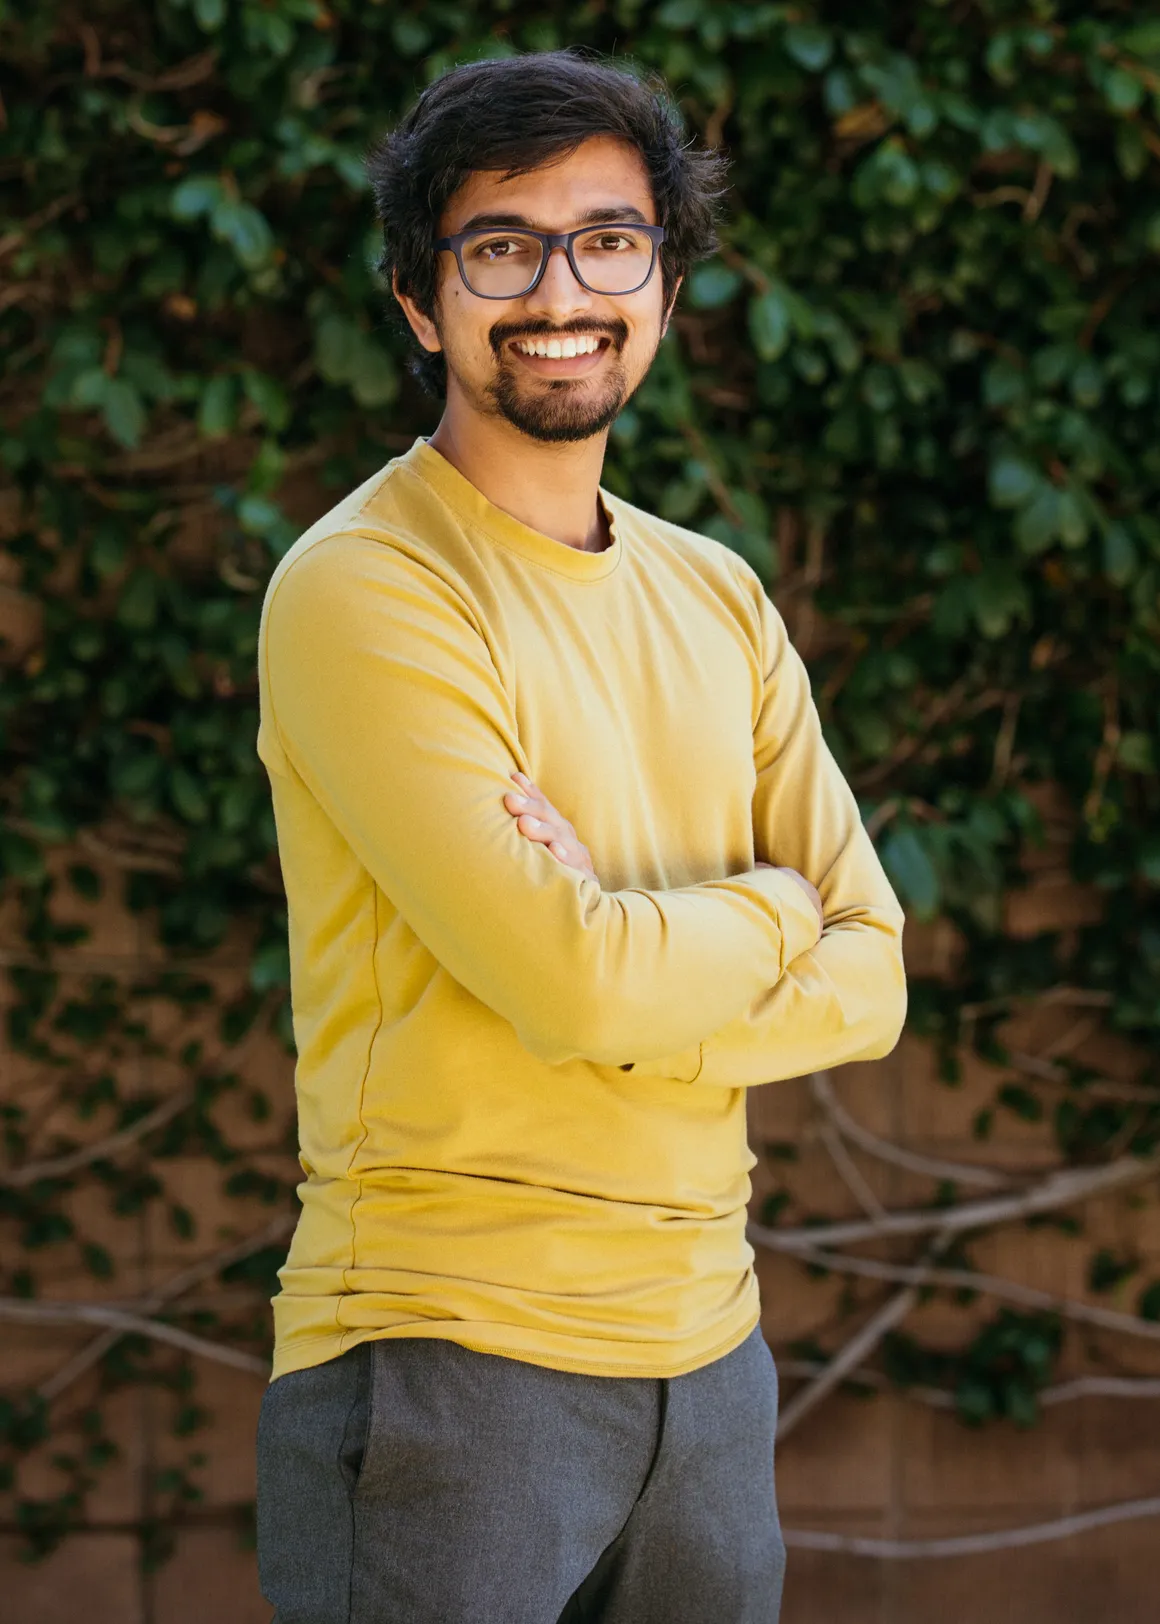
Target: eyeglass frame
<point>554,239</point>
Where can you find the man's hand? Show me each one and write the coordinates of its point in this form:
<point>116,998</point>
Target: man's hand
<point>539,820</point>
<point>810,890</point>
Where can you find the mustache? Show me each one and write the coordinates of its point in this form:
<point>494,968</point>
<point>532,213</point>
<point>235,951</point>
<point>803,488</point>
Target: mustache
<point>615,331</point>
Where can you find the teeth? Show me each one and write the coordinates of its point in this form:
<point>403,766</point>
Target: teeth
<point>559,348</point>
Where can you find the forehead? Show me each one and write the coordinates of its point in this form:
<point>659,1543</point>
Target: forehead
<point>602,173</point>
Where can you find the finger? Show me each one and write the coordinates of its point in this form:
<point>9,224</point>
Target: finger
<point>538,829</point>
<point>537,806</point>
<point>531,789</point>
<point>522,806</point>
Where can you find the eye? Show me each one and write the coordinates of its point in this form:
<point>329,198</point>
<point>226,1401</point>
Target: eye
<point>493,248</point>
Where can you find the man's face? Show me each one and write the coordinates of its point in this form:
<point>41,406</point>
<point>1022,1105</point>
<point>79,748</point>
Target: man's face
<point>550,398</point>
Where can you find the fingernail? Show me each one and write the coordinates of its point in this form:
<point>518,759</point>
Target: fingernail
<point>520,800</point>
<point>533,823</point>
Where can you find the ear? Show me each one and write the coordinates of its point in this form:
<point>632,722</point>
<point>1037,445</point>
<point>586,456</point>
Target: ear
<point>672,304</point>
<point>421,325</point>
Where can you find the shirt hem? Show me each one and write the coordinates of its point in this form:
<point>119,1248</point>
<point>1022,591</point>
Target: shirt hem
<point>318,1350</point>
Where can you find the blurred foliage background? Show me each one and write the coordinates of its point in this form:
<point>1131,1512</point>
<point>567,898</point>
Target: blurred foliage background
<point>918,388</point>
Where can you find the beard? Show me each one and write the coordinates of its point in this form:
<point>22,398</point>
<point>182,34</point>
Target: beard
<point>557,410</point>
<point>560,409</point>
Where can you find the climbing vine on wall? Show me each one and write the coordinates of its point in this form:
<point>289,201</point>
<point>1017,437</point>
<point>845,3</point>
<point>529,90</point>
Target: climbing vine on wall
<point>918,388</point>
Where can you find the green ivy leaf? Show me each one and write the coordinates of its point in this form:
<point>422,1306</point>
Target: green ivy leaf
<point>270,967</point>
<point>135,775</point>
<point>195,196</point>
<point>998,597</point>
<point>1136,752</point>
<point>373,378</point>
<point>137,605</point>
<point>98,1260</point>
<point>188,796</point>
<point>268,395</point>
<point>217,407</point>
<point>1037,525</point>
<point>1131,150</point>
<point>1143,40</point>
<point>124,412</point>
<point>1123,91</point>
<point>245,229</point>
<point>713,285</point>
<point>769,323</point>
<point>974,1401</point>
<point>1120,561</point>
<point>20,858</point>
<point>1012,480</point>
<point>810,46</point>
<point>1072,520</point>
<point>1148,1304</point>
<point>209,15</point>
<point>259,515</point>
<point>906,860</point>
<point>411,35</point>
<point>1021,1102</point>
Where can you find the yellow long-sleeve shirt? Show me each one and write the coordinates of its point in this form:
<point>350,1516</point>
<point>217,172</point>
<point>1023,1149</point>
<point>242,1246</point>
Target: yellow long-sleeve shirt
<point>520,1091</point>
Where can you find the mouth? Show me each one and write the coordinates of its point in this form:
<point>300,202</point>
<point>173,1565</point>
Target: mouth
<point>569,357</point>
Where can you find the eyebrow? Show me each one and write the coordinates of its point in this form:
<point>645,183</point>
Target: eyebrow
<point>623,213</point>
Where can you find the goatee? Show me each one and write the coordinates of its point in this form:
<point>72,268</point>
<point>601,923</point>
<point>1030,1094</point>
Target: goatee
<point>564,410</point>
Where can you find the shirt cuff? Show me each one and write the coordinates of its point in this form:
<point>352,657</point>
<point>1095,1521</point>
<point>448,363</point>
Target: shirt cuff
<point>797,915</point>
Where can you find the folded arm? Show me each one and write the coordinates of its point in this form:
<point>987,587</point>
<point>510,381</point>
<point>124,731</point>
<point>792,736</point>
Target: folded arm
<point>845,998</point>
<point>385,701</point>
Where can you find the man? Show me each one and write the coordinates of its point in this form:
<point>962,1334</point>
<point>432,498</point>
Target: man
<point>557,827</point>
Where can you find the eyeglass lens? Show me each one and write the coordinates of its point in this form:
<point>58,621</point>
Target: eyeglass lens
<point>506,263</point>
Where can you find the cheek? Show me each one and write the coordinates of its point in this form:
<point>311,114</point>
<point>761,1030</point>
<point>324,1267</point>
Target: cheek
<point>644,335</point>
<point>464,328</point>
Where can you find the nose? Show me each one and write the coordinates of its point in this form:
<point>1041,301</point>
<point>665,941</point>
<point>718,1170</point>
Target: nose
<point>559,294</point>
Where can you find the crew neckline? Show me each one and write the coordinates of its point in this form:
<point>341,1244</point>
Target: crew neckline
<point>471,504</point>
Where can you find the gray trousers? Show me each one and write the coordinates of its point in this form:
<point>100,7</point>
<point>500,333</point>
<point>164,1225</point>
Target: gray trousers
<point>413,1481</point>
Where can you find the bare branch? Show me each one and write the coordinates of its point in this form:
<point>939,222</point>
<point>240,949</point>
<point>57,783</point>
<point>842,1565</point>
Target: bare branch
<point>1060,1189</point>
<point>1084,997</point>
<point>848,1171</point>
<point>1101,1387</point>
<point>1108,1319</point>
<point>1002,1539</point>
<point>176,1286</point>
<point>30,1313</point>
<point>987,1178</point>
<point>885,1319</point>
<point>19,1178</point>
<point>1098,1088</point>
<point>939,1398</point>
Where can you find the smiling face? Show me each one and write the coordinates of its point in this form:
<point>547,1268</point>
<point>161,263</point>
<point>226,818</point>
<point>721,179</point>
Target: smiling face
<point>560,362</point>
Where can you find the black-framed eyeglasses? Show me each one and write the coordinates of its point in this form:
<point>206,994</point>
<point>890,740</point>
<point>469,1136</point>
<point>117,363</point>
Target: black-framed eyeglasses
<point>502,263</point>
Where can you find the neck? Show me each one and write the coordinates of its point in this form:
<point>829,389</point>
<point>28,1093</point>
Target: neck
<point>550,488</point>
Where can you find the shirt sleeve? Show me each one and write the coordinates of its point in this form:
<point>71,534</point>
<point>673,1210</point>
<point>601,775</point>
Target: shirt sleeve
<point>844,998</point>
<point>385,699</point>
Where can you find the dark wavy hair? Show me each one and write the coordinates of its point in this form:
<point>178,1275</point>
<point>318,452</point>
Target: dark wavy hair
<point>513,115</point>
